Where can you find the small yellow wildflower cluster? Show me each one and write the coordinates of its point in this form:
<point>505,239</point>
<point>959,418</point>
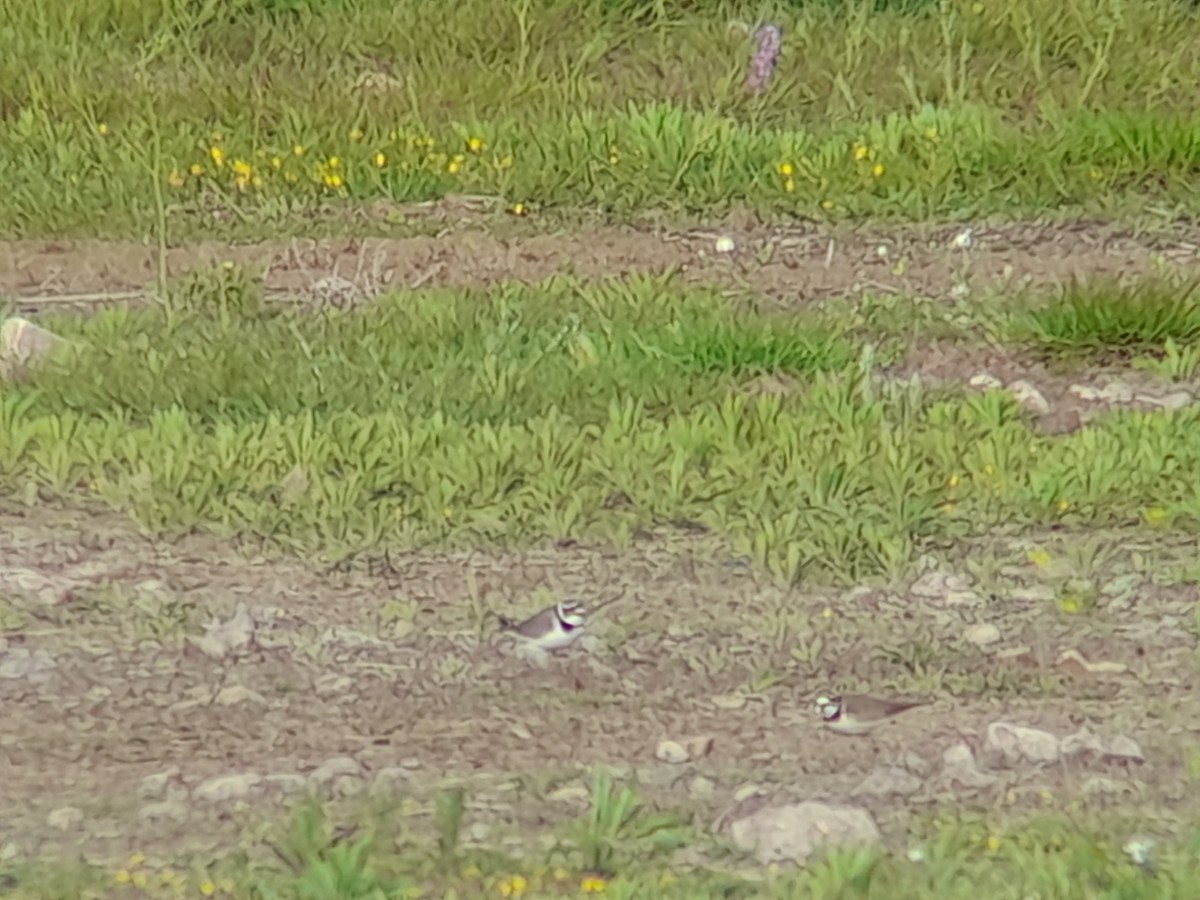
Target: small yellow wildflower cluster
<point>514,886</point>
<point>866,154</point>
<point>167,882</point>
<point>267,168</point>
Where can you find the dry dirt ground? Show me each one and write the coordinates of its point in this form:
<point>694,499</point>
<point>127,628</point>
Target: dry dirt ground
<point>126,728</point>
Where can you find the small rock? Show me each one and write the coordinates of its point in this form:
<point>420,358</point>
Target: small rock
<point>1084,392</point>
<point>21,662</point>
<point>220,788</point>
<point>9,851</point>
<point>936,585</point>
<point>222,638</point>
<point>1119,747</point>
<point>288,782</point>
<point>23,344</point>
<point>1018,743</point>
<point>960,769</point>
<point>887,781</point>
<point>65,818</point>
<point>1116,391</point>
<point>238,693</point>
<point>479,832</point>
<point>1171,401</point>
<point>698,746</point>
<point>338,767</point>
<point>1029,396</point>
<point>164,810</point>
<point>725,244</point>
<point>154,787</point>
<point>671,752</point>
<point>985,381</point>
<point>793,832</point>
<point>700,786</point>
<point>982,634</point>
<point>570,793</point>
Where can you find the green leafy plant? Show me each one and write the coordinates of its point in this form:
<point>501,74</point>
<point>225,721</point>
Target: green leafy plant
<point>619,827</point>
<point>325,865</point>
<point>1095,317</point>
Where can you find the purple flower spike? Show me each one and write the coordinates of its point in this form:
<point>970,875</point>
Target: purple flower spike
<point>768,41</point>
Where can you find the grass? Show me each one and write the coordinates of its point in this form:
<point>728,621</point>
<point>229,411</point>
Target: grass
<point>563,410</point>
<point>1035,856</point>
<point>123,119</point>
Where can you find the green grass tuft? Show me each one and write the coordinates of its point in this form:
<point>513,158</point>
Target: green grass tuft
<point>1108,317</point>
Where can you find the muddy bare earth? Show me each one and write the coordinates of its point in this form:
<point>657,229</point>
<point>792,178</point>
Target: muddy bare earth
<point>155,694</point>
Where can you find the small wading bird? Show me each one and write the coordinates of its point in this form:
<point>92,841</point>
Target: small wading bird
<point>555,627</point>
<point>859,713</point>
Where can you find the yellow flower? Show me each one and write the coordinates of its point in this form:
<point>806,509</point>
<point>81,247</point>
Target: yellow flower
<point>989,469</point>
<point>592,885</point>
<point>993,843</point>
<point>877,170</point>
<point>103,129</point>
<point>276,162</point>
<point>380,160</point>
<point>454,167</point>
<point>356,135</point>
<point>207,888</point>
<point>513,887</point>
<point>476,145</point>
<point>256,181</point>
<point>122,876</point>
<point>196,169</point>
<point>1064,505</point>
<point>291,177</point>
<point>931,134</point>
<point>332,180</point>
<point>176,179</point>
<point>298,150</point>
<point>787,170</point>
<point>241,168</point>
<point>1070,605</point>
<point>789,185</point>
<point>519,209</point>
<point>1155,514</point>
<point>335,162</point>
<point>217,155</point>
<point>953,481</point>
<point>1039,557</point>
<point>828,205</point>
<point>826,613</point>
<point>860,152</point>
<point>1095,174</point>
<point>948,508</point>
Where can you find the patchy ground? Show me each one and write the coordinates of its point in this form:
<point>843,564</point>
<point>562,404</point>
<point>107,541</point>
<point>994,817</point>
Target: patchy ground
<point>792,265</point>
<point>127,728</point>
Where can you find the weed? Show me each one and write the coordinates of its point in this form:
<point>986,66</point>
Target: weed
<point>618,828</point>
<point>1107,317</point>
<point>894,107</point>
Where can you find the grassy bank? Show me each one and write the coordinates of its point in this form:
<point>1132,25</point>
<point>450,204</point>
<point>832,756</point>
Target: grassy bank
<point>586,411</point>
<point>265,117</point>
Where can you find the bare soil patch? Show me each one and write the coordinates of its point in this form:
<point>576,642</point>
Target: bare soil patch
<point>391,673</point>
<point>794,265</point>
